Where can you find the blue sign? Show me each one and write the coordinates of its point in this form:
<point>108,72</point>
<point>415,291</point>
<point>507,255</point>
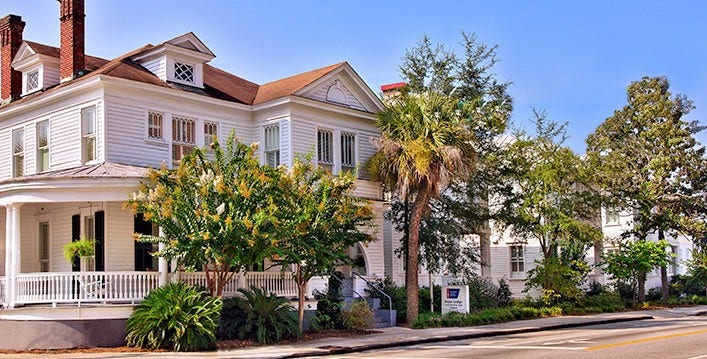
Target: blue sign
<point>453,293</point>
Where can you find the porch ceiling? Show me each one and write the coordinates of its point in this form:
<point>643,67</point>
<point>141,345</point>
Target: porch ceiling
<point>99,182</point>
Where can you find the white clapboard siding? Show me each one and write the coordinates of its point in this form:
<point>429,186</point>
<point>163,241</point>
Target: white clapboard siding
<point>126,137</point>
<point>375,250</point>
<point>304,137</point>
<point>321,95</point>
<point>157,66</point>
<point>59,233</point>
<point>366,150</point>
<point>285,145</point>
<point>119,242</point>
<point>51,76</point>
<point>30,148</point>
<point>65,134</point>
<point>6,153</point>
<point>29,245</point>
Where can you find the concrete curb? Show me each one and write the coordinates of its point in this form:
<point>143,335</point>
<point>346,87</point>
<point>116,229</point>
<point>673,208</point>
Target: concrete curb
<point>436,339</point>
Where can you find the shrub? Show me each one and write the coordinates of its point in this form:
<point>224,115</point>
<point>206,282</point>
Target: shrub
<point>505,296</point>
<point>596,288</point>
<point>176,317</point>
<point>423,296</point>
<point>627,292</point>
<point>329,305</point>
<point>358,316</point>
<point>483,317</point>
<point>255,315</point>
<point>396,293</point>
<point>559,282</point>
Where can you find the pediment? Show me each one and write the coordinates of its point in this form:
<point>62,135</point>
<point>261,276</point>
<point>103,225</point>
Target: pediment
<point>343,87</point>
<point>23,53</point>
<point>189,41</point>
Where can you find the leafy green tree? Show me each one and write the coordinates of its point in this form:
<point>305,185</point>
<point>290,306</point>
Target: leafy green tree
<point>433,132</point>
<point>217,210</point>
<point>635,259</point>
<point>697,266</point>
<point>647,160</point>
<point>545,195</point>
<point>320,220</point>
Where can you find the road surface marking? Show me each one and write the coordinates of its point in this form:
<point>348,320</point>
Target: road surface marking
<point>501,347</point>
<point>573,341</point>
<point>636,341</point>
<point>699,357</point>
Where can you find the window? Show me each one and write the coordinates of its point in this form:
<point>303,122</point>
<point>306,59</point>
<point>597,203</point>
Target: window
<point>184,72</point>
<point>612,215</point>
<point>325,149</point>
<point>89,228</point>
<point>43,234</point>
<point>348,151</point>
<point>183,138</point>
<point>43,146</point>
<point>210,131</point>
<point>88,133</point>
<point>517,259</point>
<point>272,145</point>
<point>18,152</point>
<point>155,124</point>
<point>32,80</point>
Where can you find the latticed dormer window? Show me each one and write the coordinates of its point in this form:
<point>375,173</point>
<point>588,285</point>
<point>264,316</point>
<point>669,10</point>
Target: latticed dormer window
<point>348,151</point>
<point>183,138</point>
<point>272,145</point>
<point>18,152</point>
<point>184,72</point>
<point>325,149</point>
<point>32,80</point>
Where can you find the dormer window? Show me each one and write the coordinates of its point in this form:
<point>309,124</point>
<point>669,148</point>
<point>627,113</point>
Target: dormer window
<point>32,81</point>
<point>184,72</point>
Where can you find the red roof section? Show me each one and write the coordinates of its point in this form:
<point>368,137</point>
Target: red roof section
<point>217,83</point>
<point>394,86</point>
<point>292,84</point>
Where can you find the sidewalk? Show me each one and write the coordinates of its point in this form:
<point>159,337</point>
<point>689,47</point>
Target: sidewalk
<point>399,336</point>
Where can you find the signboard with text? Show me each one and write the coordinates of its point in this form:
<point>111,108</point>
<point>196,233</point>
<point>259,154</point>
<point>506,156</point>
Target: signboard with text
<point>455,298</point>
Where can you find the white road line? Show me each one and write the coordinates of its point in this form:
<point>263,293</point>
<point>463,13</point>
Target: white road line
<point>501,347</point>
<point>699,357</point>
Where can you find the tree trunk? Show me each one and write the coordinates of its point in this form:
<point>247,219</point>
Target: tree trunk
<point>642,289</point>
<point>301,284</point>
<point>422,200</point>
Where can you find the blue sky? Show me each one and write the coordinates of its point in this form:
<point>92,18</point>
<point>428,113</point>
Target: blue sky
<point>571,58</point>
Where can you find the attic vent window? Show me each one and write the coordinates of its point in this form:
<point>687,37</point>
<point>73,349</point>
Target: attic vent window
<point>32,80</point>
<point>184,72</point>
<point>336,94</point>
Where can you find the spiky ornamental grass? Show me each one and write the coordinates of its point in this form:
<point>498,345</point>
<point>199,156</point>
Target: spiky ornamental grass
<point>176,317</point>
<point>258,316</point>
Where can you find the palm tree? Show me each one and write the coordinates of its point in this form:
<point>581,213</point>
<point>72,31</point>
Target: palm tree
<point>426,142</point>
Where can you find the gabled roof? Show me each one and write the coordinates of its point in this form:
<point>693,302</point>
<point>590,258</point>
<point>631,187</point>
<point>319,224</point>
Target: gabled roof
<point>290,85</point>
<point>218,84</point>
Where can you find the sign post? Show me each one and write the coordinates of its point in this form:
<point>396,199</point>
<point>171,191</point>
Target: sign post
<point>455,298</point>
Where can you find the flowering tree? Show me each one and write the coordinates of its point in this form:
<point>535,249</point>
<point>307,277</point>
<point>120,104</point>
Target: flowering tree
<point>321,219</point>
<point>217,210</point>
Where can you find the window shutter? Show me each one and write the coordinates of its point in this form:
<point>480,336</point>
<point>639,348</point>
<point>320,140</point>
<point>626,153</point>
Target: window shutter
<point>100,240</point>
<point>75,236</point>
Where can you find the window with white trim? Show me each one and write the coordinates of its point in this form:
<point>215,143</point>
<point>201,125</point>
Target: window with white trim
<point>155,125</point>
<point>184,72</point>
<point>210,132</point>
<point>325,149</point>
<point>43,146</point>
<point>43,238</point>
<point>517,259</point>
<point>271,136</point>
<point>88,134</point>
<point>183,138</point>
<point>612,215</point>
<point>348,151</point>
<point>18,152</point>
<point>32,81</point>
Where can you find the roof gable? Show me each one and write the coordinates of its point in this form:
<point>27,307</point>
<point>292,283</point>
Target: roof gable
<point>189,41</point>
<point>342,86</point>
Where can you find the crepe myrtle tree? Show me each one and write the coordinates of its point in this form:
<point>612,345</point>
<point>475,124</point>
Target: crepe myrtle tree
<point>320,219</point>
<point>217,210</point>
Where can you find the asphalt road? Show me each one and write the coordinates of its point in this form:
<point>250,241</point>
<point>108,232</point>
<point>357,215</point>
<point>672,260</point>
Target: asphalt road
<point>659,338</point>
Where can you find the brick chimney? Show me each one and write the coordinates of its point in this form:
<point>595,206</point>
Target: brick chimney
<point>11,27</point>
<point>72,57</point>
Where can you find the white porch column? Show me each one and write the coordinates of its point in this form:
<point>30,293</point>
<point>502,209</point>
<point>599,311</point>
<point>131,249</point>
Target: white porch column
<point>8,254</point>
<point>162,262</point>
<point>13,239</point>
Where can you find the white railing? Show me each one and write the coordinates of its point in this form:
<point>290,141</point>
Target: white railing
<point>280,283</point>
<point>126,287</point>
<point>78,287</point>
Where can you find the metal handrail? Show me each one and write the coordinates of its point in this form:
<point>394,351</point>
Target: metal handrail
<point>390,300</point>
<point>341,280</point>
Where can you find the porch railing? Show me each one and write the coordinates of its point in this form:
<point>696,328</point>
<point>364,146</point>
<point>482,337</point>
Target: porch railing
<point>78,287</point>
<point>125,287</point>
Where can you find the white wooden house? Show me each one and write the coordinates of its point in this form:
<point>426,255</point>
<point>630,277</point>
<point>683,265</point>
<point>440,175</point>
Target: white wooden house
<point>77,134</point>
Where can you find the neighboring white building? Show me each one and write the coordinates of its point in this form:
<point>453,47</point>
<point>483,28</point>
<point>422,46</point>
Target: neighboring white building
<point>77,134</point>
